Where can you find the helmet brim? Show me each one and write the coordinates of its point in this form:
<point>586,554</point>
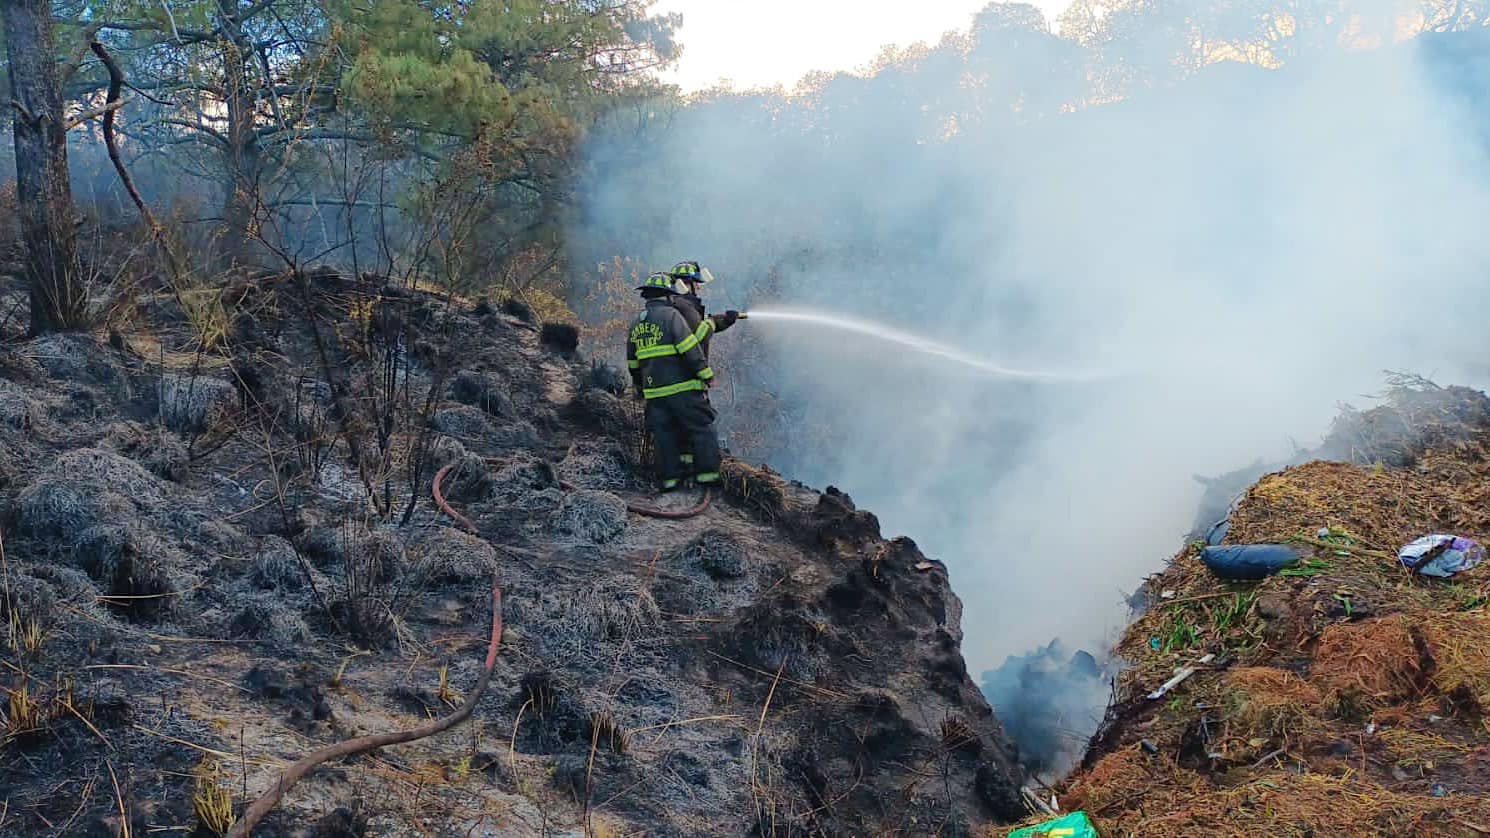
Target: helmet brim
<point>703,277</point>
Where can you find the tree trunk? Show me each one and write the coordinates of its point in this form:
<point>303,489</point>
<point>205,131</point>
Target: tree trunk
<point>48,224</point>
<point>241,184</point>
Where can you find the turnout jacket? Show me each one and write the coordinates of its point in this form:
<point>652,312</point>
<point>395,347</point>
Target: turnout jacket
<point>665,354</point>
<point>694,312</point>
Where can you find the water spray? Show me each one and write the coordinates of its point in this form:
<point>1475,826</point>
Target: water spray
<point>924,346</point>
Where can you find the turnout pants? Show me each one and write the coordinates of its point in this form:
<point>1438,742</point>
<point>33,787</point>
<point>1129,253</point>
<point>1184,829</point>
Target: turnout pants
<point>680,422</point>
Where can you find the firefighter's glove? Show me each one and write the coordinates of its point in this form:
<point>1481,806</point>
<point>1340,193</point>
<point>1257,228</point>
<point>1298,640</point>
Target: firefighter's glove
<point>725,320</point>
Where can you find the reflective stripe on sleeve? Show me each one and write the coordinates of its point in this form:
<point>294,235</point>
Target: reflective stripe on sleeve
<point>703,330</point>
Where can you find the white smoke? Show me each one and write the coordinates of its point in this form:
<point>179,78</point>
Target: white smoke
<point>1255,246</point>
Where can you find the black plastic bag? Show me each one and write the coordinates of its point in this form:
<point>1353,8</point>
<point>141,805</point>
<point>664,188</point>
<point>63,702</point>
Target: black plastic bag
<point>1248,561</point>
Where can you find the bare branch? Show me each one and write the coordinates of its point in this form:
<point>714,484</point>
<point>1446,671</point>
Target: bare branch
<point>94,113</point>
<point>166,4</point>
<point>116,84</point>
<point>197,126</point>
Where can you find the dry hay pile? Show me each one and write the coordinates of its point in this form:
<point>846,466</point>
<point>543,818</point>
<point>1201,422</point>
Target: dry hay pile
<point>1381,508</point>
<point>1370,665</point>
<point>1347,696</point>
<point>1262,703</point>
<point>1130,800</point>
<point>1460,645</point>
<point>1416,416</point>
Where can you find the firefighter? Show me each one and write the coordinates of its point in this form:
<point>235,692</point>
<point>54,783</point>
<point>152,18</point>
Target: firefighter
<point>693,277</point>
<point>689,278</point>
<point>668,369</point>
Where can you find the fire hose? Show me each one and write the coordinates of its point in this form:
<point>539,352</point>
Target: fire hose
<point>358,744</point>
<point>297,771</point>
<point>438,490</point>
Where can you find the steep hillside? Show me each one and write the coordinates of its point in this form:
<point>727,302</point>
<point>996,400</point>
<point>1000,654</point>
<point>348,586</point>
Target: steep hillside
<point>218,559</point>
<point>1346,696</point>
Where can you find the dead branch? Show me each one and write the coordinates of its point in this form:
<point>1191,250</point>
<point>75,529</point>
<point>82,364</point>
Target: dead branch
<point>116,85</point>
<point>356,745</point>
<point>94,113</point>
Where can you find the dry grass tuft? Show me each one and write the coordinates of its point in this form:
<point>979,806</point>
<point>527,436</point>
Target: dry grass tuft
<point>1460,645</point>
<point>958,735</point>
<point>24,635</point>
<point>540,691</point>
<point>211,801</point>
<point>1380,507</point>
<point>1297,805</point>
<point>1121,778</point>
<point>24,712</point>
<point>761,490</point>
<point>1269,703</point>
<point>1369,664</point>
<point>1418,749</point>
<point>606,732</point>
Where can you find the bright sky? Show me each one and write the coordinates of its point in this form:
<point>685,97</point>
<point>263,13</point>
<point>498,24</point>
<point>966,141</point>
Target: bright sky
<point>766,42</point>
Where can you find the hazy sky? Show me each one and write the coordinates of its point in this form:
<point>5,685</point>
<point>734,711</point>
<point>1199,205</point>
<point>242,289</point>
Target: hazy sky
<point>765,42</point>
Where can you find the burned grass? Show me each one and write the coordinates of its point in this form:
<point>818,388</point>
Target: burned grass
<point>235,559</point>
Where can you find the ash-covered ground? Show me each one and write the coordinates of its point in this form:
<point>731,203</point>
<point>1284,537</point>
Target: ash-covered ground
<point>221,552</point>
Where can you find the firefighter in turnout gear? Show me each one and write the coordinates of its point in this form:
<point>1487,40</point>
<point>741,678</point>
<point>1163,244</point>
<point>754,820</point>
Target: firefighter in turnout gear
<point>689,278</point>
<point>669,370</point>
<point>693,276</point>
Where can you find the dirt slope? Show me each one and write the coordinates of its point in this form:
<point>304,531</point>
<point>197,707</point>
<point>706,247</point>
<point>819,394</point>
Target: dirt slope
<point>197,590</point>
<point>1346,697</point>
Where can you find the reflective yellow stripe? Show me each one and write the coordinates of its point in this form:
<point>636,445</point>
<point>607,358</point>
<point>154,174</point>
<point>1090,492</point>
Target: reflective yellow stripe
<point>673,389</point>
<point>636,365</point>
<point>686,458</point>
<point>697,337</point>
<point>667,349</point>
<point>708,477</point>
<point>656,352</point>
<point>706,373</point>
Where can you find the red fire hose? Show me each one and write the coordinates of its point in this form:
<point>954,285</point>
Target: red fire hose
<point>356,745</point>
<point>439,493</point>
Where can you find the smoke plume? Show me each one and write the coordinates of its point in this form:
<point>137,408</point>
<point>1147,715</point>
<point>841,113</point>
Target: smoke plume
<point>1246,249</point>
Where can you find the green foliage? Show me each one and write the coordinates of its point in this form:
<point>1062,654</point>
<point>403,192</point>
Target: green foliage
<point>1234,611</point>
<point>1179,631</point>
<point>451,94</point>
<point>1308,567</point>
<point>460,121</point>
<point>516,69</point>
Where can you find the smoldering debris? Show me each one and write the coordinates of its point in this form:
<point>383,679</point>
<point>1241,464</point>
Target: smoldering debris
<point>1051,701</point>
